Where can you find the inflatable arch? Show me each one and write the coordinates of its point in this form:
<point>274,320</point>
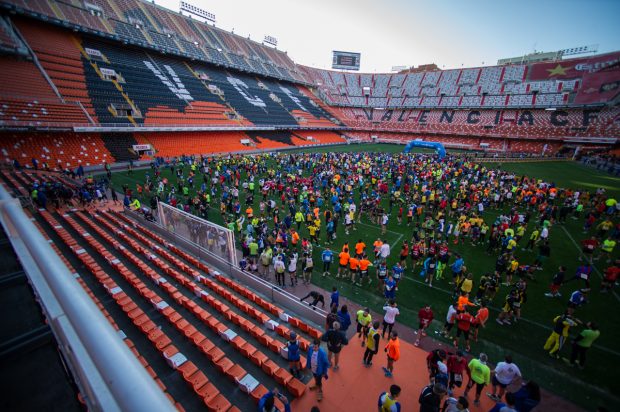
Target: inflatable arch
<point>439,149</point>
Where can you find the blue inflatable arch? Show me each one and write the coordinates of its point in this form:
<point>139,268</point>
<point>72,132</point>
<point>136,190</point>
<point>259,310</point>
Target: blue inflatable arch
<point>439,149</point>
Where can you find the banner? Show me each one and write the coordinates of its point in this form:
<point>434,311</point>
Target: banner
<point>574,68</point>
<point>598,87</point>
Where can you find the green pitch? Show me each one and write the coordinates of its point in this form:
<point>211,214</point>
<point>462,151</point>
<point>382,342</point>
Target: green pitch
<point>524,340</point>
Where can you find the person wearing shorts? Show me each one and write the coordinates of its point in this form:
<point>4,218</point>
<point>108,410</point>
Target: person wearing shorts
<point>425,317</point>
<point>463,324</point>
<point>364,319</point>
<point>450,319</point>
<point>364,263</point>
<point>382,272</point>
<point>479,375</point>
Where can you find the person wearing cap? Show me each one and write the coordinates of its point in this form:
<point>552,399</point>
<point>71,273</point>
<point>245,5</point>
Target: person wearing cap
<point>431,396</point>
<point>387,400</point>
<point>294,357</point>
<point>335,339</point>
<point>456,405</point>
<point>480,374</point>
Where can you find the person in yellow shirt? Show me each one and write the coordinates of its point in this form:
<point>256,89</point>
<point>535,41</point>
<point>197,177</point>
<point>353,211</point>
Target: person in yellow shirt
<point>467,284</point>
<point>312,231</point>
<point>512,269</point>
<point>364,319</point>
<point>372,344</point>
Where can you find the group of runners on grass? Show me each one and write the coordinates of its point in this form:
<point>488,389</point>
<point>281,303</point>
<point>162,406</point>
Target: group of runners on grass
<point>284,205</point>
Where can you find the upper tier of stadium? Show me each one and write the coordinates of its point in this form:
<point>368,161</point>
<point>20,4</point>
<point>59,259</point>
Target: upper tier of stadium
<point>104,65</point>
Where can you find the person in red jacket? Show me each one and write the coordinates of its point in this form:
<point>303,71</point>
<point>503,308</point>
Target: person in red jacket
<point>457,366</point>
<point>610,277</point>
<point>425,317</point>
<point>463,324</point>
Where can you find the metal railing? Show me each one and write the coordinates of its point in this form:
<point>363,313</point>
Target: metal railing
<point>108,375</point>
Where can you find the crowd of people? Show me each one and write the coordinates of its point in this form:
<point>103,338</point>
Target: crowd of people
<point>285,206</point>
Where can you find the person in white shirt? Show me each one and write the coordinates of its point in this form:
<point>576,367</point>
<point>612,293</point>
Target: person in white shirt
<point>391,311</point>
<point>504,374</point>
<point>384,222</point>
<point>450,317</point>
<point>384,251</point>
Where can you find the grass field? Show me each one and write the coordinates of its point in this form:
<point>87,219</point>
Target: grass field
<point>597,383</point>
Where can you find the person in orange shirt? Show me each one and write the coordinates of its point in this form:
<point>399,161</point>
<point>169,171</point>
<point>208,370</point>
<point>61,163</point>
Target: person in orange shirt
<point>364,264</point>
<point>393,353</point>
<point>480,320</point>
<point>249,212</point>
<point>377,247</point>
<point>294,238</point>
<point>463,301</point>
<point>359,248</point>
<point>354,265</point>
<point>343,260</point>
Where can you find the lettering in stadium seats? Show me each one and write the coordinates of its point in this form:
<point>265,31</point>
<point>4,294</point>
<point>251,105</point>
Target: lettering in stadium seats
<point>526,116</point>
<point>401,116</point>
<point>387,115</point>
<point>239,85</point>
<point>556,121</point>
<point>589,115</point>
<point>497,117</point>
<point>448,116</point>
<point>178,88</point>
<point>473,117</point>
<point>423,114</point>
<point>293,98</point>
<point>368,113</point>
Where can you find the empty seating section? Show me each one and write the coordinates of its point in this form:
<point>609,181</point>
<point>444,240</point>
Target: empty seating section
<point>149,24</point>
<point>58,150</point>
<point>58,53</point>
<point>27,99</point>
<point>224,341</point>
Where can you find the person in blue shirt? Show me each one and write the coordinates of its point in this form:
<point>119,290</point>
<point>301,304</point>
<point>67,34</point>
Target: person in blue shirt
<point>317,364</point>
<point>327,256</point>
<point>267,402</point>
<point>397,273</point>
<point>294,355</point>
<point>507,406</point>
<point>344,318</point>
<point>457,268</point>
<point>389,289</point>
<point>387,400</point>
<point>335,297</point>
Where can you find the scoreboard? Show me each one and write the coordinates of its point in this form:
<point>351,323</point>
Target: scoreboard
<point>346,60</point>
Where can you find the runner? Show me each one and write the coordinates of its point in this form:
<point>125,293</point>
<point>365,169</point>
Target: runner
<point>372,344</point>
<point>364,320</point>
<point>335,339</point>
<point>387,400</point>
<point>391,311</point>
<point>425,317</point>
<point>479,374</point>
<point>392,350</point>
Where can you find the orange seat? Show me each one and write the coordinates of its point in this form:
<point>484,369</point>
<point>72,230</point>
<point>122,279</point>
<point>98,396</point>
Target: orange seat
<point>224,364</point>
<point>236,372</point>
<point>197,380</point>
<point>219,403</point>
<point>282,376</point>
<point>215,354</point>
<point>247,350</point>
<point>187,369</point>
<point>296,387</point>
<point>207,391</point>
<point>259,392</point>
<point>258,358</point>
<point>270,367</point>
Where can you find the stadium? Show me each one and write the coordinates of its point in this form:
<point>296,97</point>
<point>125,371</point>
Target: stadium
<point>192,220</point>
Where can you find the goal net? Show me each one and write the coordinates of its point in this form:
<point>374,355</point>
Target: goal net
<point>213,238</point>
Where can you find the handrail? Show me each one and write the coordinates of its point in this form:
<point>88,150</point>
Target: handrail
<point>108,374</point>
